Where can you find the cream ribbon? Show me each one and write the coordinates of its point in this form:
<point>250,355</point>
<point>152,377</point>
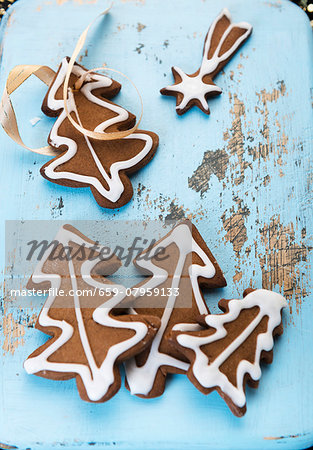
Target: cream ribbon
<point>21,73</point>
<point>16,77</point>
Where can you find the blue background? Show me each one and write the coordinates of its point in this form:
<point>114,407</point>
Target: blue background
<point>43,414</point>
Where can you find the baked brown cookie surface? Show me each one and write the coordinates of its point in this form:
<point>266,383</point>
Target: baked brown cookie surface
<point>88,341</point>
<point>227,354</point>
<point>174,296</point>
<point>103,166</point>
<point>222,40</point>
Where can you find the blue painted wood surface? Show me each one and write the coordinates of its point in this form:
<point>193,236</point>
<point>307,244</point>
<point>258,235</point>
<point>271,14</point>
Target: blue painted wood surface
<point>243,175</point>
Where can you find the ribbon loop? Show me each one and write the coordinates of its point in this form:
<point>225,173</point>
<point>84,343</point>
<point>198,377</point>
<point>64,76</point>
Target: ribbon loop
<point>16,77</point>
<point>103,136</point>
<point>21,73</point>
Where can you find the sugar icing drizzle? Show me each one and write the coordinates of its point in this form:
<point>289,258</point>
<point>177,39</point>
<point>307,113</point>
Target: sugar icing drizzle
<point>208,373</point>
<point>112,177</point>
<point>97,380</point>
<point>141,379</point>
<point>193,87</point>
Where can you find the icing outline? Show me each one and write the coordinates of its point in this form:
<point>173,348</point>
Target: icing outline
<point>192,87</point>
<point>141,379</point>
<point>96,380</point>
<point>114,182</point>
<point>207,373</point>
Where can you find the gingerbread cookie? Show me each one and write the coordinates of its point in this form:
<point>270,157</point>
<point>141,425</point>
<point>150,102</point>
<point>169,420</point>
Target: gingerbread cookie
<point>185,264</point>
<point>103,166</point>
<point>223,39</point>
<point>88,341</point>
<point>228,353</point>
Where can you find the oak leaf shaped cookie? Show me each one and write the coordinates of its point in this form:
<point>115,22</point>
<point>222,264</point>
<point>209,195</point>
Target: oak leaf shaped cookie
<point>103,166</point>
<point>175,277</point>
<point>87,341</point>
<point>228,353</point>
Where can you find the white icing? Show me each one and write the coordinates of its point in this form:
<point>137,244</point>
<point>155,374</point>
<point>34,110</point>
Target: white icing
<point>141,379</point>
<point>193,87</point>
<point>208,373</point>
<point>97,380</point>
<point>111,178</point>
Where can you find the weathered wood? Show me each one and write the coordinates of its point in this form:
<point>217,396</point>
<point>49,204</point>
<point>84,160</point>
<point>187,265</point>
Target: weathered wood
<point>243,174</point>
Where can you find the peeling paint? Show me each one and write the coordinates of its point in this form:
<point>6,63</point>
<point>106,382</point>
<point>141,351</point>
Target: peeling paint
<point>57,207</point>
<point>139,48</point>
<point>167,207</point>
<point>14,318</point>
<point>243,148</point>
<point>237,277</point>
<point>121,26</point>
<point>269,146</point>
<point>13,334</point>
<point>277,5</point>
<point>234,225</point>
<point>275,438</point>
<point>213,163</point>
<point>140,27</point>
<point>138,2</point>
<point>236,138</point>
<point>279,263</point>
<point>266,180</point>
<point>176,212</point>
<point>81,57</point>
<point>78,2</point>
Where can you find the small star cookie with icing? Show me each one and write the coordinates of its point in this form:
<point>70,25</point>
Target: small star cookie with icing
<point>223,39</point>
